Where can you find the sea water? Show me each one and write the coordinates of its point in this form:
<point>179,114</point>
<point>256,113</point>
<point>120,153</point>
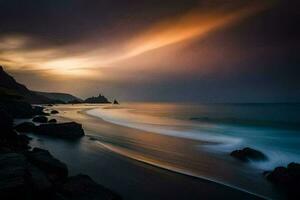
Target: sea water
<point>273,129</point>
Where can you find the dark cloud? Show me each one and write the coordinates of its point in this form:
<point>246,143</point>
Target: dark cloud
<point>256,60</point>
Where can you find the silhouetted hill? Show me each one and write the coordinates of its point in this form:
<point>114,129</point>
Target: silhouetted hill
<point>10,85</point>
<point>99,99</point>
<point>60,96</point>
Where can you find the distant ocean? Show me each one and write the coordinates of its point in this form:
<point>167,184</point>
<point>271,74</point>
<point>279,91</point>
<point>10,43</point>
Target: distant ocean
<point>273,129</point>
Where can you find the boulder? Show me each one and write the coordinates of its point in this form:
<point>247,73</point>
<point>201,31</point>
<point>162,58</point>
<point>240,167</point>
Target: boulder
<point>25,127</point>
<point>52,121</point>
<point>6,121</point>
<point>69,130</point>
<point>13,172</point>
<point>40,119</point>
<point>54,112</point>
<point>55,169</point>
<point>115,102</point>
<point>82,187</point>
<point>39,110</point>
<point>248,154</point>
<point>39,180</point>
<point>287,179</point>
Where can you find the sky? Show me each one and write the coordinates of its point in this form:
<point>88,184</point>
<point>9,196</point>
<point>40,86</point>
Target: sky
<point>155,50</point>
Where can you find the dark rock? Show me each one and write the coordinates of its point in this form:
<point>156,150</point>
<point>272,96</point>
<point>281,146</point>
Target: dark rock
<point>39,180</point>
<point>13,172</point>
<point>6,122</point>
<point>287,179</point>
<point>17,108</point>
<point>247,154</point>
<point>54,169</point>
<point>25,127</point>
<point>82,187</point>
<point>9,139</point>
<point>54,112</point>
<point>40,119</point>
<point>115,102</point>
<point>52,121</point>
<point>65,130</point>
<point>20,91</point>
<point>99,99</point>
<point>39,110</point>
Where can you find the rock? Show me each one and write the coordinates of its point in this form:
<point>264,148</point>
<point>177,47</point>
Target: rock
<point>69,130</point>
<point>115,102</point>
<point>82,187</point>
<point>39,110</point>
<point>6,122</point>
<point>19,179</point>
<point>99,99</point>
<point>247,154</point>
<point>13,172</point>
<point>52,121</point>
<point>9,139</point>
<point>54,169</point>
<point>40,119</point>
<point>39,180</point>
<point>25,127</point>
<point>17,108</point>
<point>287,179</point>
<point>54,112</point>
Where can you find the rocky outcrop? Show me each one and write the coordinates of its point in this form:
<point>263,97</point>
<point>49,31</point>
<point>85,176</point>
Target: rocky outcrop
<point>63,97</point>
<point>115,102</point>
<point>248,154</point>
<point>54,112</point>
<point>37,175</point>
<point>99,99</point>
<point>52,121</point>
<point>287,179</point>
<point>54,169</point>
<point>40,119</point>
<point>9,83</point>
<point>9,139</point>
<point>13,172</point>
<point>25,127</point>
<point>69,130</point>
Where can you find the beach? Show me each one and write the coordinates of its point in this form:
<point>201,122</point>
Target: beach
<point>141,164</point>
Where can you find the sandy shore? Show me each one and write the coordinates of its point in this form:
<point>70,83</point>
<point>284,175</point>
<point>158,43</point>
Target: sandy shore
<point>142,165</point>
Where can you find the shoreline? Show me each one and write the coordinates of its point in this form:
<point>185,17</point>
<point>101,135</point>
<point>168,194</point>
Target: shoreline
<point>65,115</point>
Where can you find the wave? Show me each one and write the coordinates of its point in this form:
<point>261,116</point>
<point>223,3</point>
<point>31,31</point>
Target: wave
<point>249,122</point>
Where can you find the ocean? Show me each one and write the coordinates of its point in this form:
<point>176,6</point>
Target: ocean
<point>137,148</point>
<point>271,128</point>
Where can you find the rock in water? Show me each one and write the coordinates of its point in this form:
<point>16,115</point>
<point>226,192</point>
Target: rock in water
<point>54,169</point>
<point>40,119</point>
<point>116,102</point>
<point>247,154</point>
<point>54,112</point>
<point>25,127</point>
<point>82,187</point>
<point>287,179</point>
<point>52,121</point>
<point>64,130</point>
<point>99,99</point>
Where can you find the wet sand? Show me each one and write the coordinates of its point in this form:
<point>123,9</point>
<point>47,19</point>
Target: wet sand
<point>143,165</point>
